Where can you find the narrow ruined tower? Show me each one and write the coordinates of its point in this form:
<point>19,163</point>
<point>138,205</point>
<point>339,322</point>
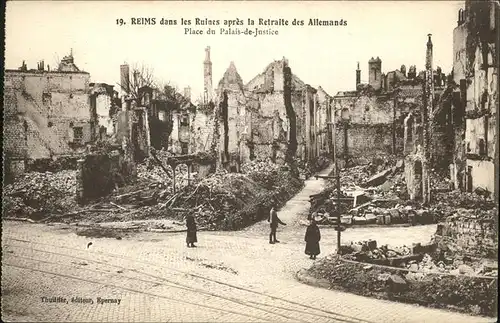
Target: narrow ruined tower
<point>428,55</point>
<point>358,76</point>
<point>426,111</point>
<point>375,73</point>
<point>207,77</point>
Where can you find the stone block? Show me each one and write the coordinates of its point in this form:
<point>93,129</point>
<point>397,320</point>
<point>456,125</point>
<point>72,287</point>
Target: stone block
<point>412,219</point>
<point>428,248</point>
<point>413,267</point>
<point>395,216</point>
<point>416,249</point>
<point>372,244</point>
<point>357,247</point>
<point>422,216</point>
<point>397,284</point>
<point>359,220</point>
<point>387,219</point>
<point>465,270</point>
<point>440,229</point>
<point>346,219</point>
<point>371,218</point>
<point>380,219</point>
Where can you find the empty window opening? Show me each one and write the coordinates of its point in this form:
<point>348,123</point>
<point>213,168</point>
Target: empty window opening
<point>78,134</point>
<point>184,148</point>
<point>482,147</point>
<point>409,129</point>
<point>469,179</point>
<point>25,126</point>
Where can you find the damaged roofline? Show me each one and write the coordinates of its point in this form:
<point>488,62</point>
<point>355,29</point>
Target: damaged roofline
<point>33,71</point>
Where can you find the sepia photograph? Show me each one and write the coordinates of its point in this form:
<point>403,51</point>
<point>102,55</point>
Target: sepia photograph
<point>250,161</point>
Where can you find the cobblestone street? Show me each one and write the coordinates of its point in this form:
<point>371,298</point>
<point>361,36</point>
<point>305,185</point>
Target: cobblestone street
<point>230,277</point>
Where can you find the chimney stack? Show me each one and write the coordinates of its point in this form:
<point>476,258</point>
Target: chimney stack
<point>358,76</point>
<point>41,65</point>
<point>207,77</point>
<point>428,56</point>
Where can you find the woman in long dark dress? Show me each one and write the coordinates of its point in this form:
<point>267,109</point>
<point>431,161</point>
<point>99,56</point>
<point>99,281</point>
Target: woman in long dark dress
<point>313,236</point>
<point>191,231</point>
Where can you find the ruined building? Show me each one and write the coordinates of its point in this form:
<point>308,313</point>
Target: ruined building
<point>273,115</point>
<point>370,119</point>
<point>418,136</point>
<point>474,99</point>
<point>458,129</point>
<point>159,118</point>
<point>47,112</point>
<point>104,103</point>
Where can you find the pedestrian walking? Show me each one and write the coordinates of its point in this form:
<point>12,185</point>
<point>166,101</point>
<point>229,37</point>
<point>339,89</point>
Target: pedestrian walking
<point>313,236</point>
<point>274,221</point>
<point>191,231</point>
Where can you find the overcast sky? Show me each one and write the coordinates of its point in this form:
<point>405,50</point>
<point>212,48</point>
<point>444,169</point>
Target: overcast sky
<point>319,55</point>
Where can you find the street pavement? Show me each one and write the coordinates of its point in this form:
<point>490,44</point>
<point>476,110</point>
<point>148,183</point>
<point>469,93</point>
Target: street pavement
<point>229,277</point>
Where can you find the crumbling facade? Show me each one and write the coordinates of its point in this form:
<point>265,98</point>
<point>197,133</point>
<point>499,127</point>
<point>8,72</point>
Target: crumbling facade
<point>370,121</point>
<point>428,131</point>
<point>104,103</point>
<point>161,118</point>
<point>47,113</point>
<point>273,116</point>
<point>475,99</point>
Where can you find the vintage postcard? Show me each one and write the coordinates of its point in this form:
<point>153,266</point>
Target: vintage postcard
<point>250,161</point>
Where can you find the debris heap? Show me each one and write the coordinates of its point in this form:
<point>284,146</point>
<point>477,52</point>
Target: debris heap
<point>35,195</point>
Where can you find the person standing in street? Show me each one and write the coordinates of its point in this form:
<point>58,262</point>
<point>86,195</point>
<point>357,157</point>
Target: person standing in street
<point>274,221</point>
<point>313,236</point>
<point>191,231</point>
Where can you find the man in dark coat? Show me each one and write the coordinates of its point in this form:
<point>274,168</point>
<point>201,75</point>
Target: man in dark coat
<point>274,221</point>
<point>191,231</point>
<point>313,236</point>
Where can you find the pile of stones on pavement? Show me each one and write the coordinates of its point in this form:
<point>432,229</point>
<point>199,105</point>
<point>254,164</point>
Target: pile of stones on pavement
<point>419,259</point>
<point>375,193</point>
<point>417,274</point>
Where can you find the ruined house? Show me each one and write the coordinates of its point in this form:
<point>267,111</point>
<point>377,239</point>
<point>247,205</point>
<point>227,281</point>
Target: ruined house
<point>474,100</point>
<point>273,115</point>
<point>47,112</point>
<point>104,103</point>
<point>160,118</point>
<point>183,112</point>
<point>370,120</point>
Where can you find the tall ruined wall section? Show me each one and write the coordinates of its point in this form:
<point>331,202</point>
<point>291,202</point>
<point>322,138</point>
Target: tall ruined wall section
<point>298,103</point>
<point>256,115</point>
<point>323,105</point>
<point>370,127</point>
<point>41,110</point>
<point>481,97</point>
<point>268,125</point>
<point>202,127</point>
<point>275,116</point>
